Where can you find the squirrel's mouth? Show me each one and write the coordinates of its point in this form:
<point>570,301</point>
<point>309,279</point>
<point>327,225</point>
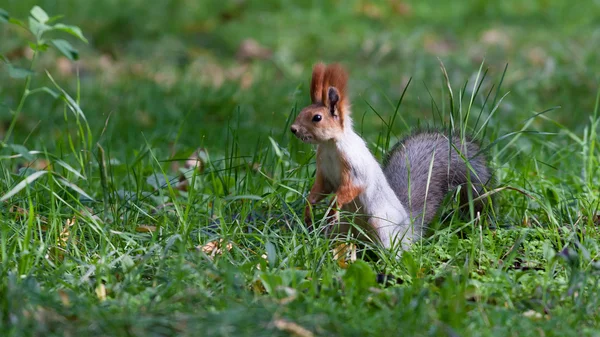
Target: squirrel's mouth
<point>305,138</point>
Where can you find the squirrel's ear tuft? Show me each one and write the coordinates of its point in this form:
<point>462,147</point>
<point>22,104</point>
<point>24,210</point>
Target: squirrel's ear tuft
<point>334,98</point>
<point>334,90</point>
<point>335,76</point>
<point>316,84</point>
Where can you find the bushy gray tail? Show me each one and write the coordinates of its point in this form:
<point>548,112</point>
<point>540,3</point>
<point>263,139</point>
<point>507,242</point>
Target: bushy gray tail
<point>408,167</point>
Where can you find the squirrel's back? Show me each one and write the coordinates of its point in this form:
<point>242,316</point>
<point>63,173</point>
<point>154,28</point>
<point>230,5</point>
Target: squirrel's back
<point>408,166</point>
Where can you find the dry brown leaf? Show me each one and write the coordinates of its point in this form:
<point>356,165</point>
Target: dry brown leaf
<point>21,212</point>
<point>183,183</point>
<point>16,53</point>
<point>143,118</point>
<point>28,53</point>
<point>213,248</point>
<point>90,213</point>
<point>401,7</point>
<point>65,233</point>
<point>344,253</point>
<point>258,287</point>
<point>166,78</point>
<point>438,46</point>
<point>195,160</point>
<point>64,298</point>
<point>370,10</point>
<point>495,37</point>
<point>64,66</point>
<point>38,164</point>
<point>145,229</point>
<point>537,56</point>
<point>250,49</point>
<point>293,328</point>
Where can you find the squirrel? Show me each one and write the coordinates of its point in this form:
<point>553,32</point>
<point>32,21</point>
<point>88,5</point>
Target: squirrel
<point>394,203</point>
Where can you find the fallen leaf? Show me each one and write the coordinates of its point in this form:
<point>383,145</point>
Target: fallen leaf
<point>28,52</point>
<point>64,298</point>
<point>145,229</point>
<point>213,248</point>
<point>21,212</point>
<point>65,233</point>
<point>495,37</point>
<point>293,328</point>
<point>401,8</point>
<point>369,10</point>
<point>143,118</point>
<point>344,253</point>
<point>16,53</point>
<point>258,287</point>
<point>438,46</point>
<point>537,56</point>
<point>250,49</point>
<point>196,160</point>
<point>64,66</point>
<point>38,164</point>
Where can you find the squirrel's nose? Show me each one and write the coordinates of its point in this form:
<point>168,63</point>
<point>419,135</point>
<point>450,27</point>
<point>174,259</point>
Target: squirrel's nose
<point>293,129</point>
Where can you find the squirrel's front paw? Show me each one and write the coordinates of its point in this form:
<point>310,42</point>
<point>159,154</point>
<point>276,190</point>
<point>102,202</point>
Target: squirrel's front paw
<point>333,217</point>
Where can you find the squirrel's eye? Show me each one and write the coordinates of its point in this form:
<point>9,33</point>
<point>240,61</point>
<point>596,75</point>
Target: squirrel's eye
<point>317,118</point>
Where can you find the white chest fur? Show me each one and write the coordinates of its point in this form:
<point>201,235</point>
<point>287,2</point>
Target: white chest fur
<point>378,202</point>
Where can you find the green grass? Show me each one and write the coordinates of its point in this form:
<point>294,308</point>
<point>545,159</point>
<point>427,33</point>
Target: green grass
<point>157,82</point>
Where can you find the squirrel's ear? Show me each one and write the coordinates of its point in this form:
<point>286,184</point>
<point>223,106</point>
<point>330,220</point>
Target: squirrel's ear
<point>334,98</point>
<point>316,83</point>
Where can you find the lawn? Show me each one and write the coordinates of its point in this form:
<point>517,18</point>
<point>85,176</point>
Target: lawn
<point>150,185</point>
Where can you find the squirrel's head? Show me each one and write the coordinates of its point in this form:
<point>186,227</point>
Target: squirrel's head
<point>323,120</point>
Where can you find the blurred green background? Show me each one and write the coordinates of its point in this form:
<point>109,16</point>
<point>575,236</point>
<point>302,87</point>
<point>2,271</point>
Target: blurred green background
<point>189,71</point>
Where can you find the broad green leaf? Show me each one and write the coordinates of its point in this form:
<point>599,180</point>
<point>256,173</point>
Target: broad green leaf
<point>73,30</point>
<point>65,47</point>
<point>17,22</point>
<point>359,277</point>
<point>39,14</point>
<point>22,150</point>
<point>74,187</point>
<point>16,72</point>
<point>54,18</point>
<point>271,282</point>
<point>38,46</point>
<point>271,253</point>
<point>276,148</point>
<point>19,155</point>
<point>24,183</point>
<point>4,17</point>
<point>37,28</point>
<point>69,168</point>
<point>159,181</point>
